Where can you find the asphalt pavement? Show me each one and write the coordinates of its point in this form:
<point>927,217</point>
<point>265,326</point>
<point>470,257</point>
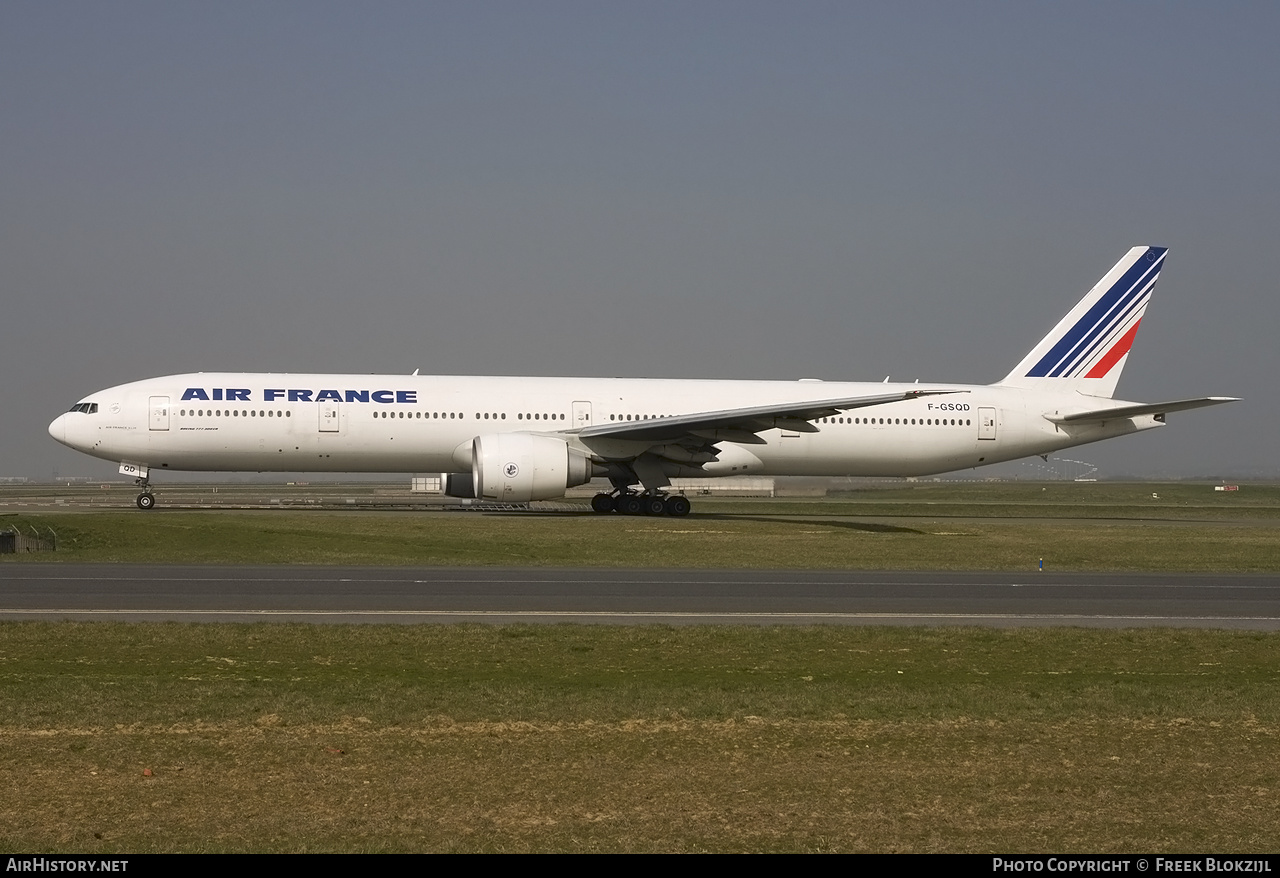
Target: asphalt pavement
<point>634,596</point>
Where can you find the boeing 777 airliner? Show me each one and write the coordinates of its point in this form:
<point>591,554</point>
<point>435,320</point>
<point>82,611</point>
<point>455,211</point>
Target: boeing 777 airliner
<point>522,439</point>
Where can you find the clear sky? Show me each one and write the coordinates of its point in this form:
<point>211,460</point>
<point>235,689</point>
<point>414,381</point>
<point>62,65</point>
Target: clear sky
<point>687,189</point>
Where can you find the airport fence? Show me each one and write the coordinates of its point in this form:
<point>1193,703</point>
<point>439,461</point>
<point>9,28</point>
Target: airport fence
<point>16,540</point>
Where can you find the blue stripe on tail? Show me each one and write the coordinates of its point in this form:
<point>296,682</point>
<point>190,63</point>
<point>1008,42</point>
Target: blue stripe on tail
<point>1111,310</point>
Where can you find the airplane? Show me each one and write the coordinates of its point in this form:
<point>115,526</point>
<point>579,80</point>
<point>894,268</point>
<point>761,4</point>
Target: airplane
<point>522,439</point>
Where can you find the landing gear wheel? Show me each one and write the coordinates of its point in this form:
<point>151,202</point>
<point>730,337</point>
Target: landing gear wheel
<point>678,506</point>
<point>146,500</point>
<point>654,505</point>
<point>630,504</point>
<point>603,504</point>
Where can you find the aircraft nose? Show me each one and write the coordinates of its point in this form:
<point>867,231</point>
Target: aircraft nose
<point>58,429</point>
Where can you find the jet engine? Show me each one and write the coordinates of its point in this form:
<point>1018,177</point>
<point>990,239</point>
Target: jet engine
<point>518,467</point>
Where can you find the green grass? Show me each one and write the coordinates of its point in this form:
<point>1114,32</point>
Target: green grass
<point>568,738</point>
<point>1167,501</point>
<point>902,525</point>
<point>710,540</point>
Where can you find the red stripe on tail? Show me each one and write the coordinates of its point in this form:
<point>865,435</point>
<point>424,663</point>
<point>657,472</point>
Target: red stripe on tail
<point>1118,350</point>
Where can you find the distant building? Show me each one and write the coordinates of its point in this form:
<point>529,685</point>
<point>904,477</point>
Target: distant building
<point>425,485</point>
<point>737,486</point>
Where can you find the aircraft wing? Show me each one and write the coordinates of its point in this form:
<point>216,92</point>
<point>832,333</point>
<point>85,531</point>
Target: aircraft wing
<point>742,425</point>
<point>1138,409</point>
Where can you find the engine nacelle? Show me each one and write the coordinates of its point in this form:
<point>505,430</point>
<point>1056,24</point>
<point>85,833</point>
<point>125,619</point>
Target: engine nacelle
<point>519,467</point>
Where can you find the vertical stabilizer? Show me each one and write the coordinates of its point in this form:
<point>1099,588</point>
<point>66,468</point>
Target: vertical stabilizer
<point>1087,350</point>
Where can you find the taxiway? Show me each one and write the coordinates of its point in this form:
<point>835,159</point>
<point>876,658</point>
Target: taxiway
<point>634,596</point>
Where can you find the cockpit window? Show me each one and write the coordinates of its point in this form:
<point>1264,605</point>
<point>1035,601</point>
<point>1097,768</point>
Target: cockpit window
<point>88,408</point>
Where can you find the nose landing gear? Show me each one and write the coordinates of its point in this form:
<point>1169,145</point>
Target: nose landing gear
<point>146,500</point>
<point>142,478</point>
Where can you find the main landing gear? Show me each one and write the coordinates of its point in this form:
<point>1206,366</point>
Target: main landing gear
<point>627,503</point>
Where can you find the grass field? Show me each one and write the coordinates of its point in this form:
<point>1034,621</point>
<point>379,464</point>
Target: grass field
<point>998,526</point>
<point>583,738</point>
<point>706,542</point>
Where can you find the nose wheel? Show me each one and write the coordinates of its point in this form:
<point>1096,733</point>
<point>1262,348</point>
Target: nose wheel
<point>146,500</point>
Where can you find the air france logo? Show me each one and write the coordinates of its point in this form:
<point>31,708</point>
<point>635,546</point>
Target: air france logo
<point>511,470</point>
<point>279,394</point>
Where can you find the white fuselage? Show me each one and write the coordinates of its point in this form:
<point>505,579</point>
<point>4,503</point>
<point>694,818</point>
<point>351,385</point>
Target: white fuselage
<point>419,423</point>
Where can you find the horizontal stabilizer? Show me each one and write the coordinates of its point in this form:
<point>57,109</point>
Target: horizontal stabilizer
<point>1139,409</point>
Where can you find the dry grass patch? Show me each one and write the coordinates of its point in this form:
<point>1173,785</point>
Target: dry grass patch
<point>564,738</point>
<point>649,785</point>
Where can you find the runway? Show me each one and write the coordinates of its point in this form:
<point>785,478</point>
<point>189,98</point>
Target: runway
<point>633,596</point>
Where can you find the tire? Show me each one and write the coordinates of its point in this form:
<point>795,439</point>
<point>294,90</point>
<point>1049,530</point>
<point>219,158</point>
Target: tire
<point>603,504</point>
<point>678,506</point>
<point>146,500</point>
<point>630,504</point>
<point>655,505</point>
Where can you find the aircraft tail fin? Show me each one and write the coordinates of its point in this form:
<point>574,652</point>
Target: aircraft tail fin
<point>1088,348</point>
